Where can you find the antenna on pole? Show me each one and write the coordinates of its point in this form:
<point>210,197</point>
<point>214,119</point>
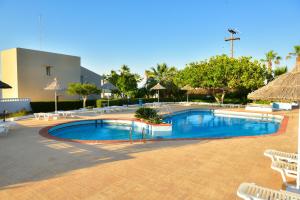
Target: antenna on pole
<point>40,31</point>
<point>232,38</point>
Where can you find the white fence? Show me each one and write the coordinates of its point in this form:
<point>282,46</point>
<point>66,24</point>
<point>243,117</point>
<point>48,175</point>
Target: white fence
<point>14,104</point>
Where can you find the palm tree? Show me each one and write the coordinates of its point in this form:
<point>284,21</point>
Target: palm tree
<point>125,69</point>
<point>280,70</point>
<point>271,57</point>
<point>295,53</point>
<point>161,73</point>
<point>277,60</point>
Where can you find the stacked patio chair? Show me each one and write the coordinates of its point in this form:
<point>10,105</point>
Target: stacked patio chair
<point>283,162</point>
<point>250,191</point>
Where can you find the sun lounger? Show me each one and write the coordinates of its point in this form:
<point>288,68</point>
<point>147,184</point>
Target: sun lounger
<point>114,108</point>
<point>66,113</point>
<point>46,116</point>
<point>52,116</point>
<point>122,108</point>
<point>280,155</point>
<point>99,110</point>
<point>250,191</point>
<point>39,115</point>
<point>285,169</point>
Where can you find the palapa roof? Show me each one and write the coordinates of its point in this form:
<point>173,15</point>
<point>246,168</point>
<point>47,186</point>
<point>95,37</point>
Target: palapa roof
<point>284,88</point>
<point>158,86</point>
<point>4,85</point>
<point>54,85</point>
<point>187,87</point>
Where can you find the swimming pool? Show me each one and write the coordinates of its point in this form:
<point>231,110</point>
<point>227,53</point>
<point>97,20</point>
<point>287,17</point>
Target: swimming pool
<point>188,125</point>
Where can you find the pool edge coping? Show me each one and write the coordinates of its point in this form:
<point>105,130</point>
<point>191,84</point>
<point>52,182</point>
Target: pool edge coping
<point>44,132</point>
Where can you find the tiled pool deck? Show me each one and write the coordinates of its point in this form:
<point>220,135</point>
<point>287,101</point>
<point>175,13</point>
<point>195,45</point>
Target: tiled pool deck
<point>34,167</point>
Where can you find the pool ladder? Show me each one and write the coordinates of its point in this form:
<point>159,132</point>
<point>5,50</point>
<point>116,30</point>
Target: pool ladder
<point>130,135</point>
<point>143,135</point>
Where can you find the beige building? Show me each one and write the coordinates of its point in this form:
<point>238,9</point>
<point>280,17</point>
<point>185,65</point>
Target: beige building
<point>30,71</point>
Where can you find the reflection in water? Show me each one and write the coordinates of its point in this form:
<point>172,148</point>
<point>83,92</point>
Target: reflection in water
<point>191,124</point>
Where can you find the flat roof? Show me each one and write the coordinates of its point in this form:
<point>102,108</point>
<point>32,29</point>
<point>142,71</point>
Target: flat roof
<point>40,51</point>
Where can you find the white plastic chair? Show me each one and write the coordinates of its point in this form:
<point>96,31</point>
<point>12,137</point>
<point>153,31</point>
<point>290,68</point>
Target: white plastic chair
<point>250,191</point>
<point>285,169</point>
<point>99,110</point>
<point>280,155</point>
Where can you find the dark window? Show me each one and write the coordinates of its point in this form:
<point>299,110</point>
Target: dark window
<point>48,70</point>
<point>81,79</point>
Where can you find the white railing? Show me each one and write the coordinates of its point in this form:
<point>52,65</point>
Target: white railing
<point>14,99</point>
<point>14,104</point>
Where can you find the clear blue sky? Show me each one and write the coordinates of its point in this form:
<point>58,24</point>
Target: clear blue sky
<point>142,33</point>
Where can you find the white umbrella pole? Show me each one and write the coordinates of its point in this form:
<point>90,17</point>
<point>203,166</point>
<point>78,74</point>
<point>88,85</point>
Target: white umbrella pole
<point>298,164</point>
<point>187,97</point>
<point>55,102</point>
<point>158,96</point>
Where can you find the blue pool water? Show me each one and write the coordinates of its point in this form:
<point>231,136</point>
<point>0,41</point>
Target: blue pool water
<point>189,124</point>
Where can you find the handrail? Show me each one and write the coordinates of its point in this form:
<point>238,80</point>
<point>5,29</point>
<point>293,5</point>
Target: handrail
<point>130,135</point>
<point>143,135</point>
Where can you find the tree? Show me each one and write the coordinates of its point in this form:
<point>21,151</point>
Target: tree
<point>279,71</point>
<point>221,74</point>
<point>112,77</point>
<point>124,69</point>
<point>296,53</point>
<point>161,73</point>
<point>271,57</point>
<point>164,75</point>
<point>83,90</point>
<point>124,80</point>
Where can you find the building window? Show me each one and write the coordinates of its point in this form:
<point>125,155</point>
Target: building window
<point>48,70</point>
<point>81,79</point>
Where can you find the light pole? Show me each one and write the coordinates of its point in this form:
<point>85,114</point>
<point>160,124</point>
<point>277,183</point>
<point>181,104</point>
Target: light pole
<point>231,39</point>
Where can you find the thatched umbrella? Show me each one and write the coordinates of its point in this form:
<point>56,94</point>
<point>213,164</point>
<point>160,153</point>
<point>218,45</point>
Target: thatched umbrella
<point>158,87</point>
<point>187,88</point>
<point>108,87</point>
<point>54,85</point>
<point>284,88</point>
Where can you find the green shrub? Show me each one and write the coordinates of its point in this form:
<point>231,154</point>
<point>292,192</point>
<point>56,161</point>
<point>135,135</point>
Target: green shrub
<point>48,106</point>
<point>145,113</point>
<point>19,113</point>
<point>148,114</point>
<point>262,102</point>
<point>235,101</point>
<point>156,120</point>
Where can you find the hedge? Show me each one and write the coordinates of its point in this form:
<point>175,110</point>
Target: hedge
<point>49,106</point>
<point>120,102</point>
<point>19,113</point>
